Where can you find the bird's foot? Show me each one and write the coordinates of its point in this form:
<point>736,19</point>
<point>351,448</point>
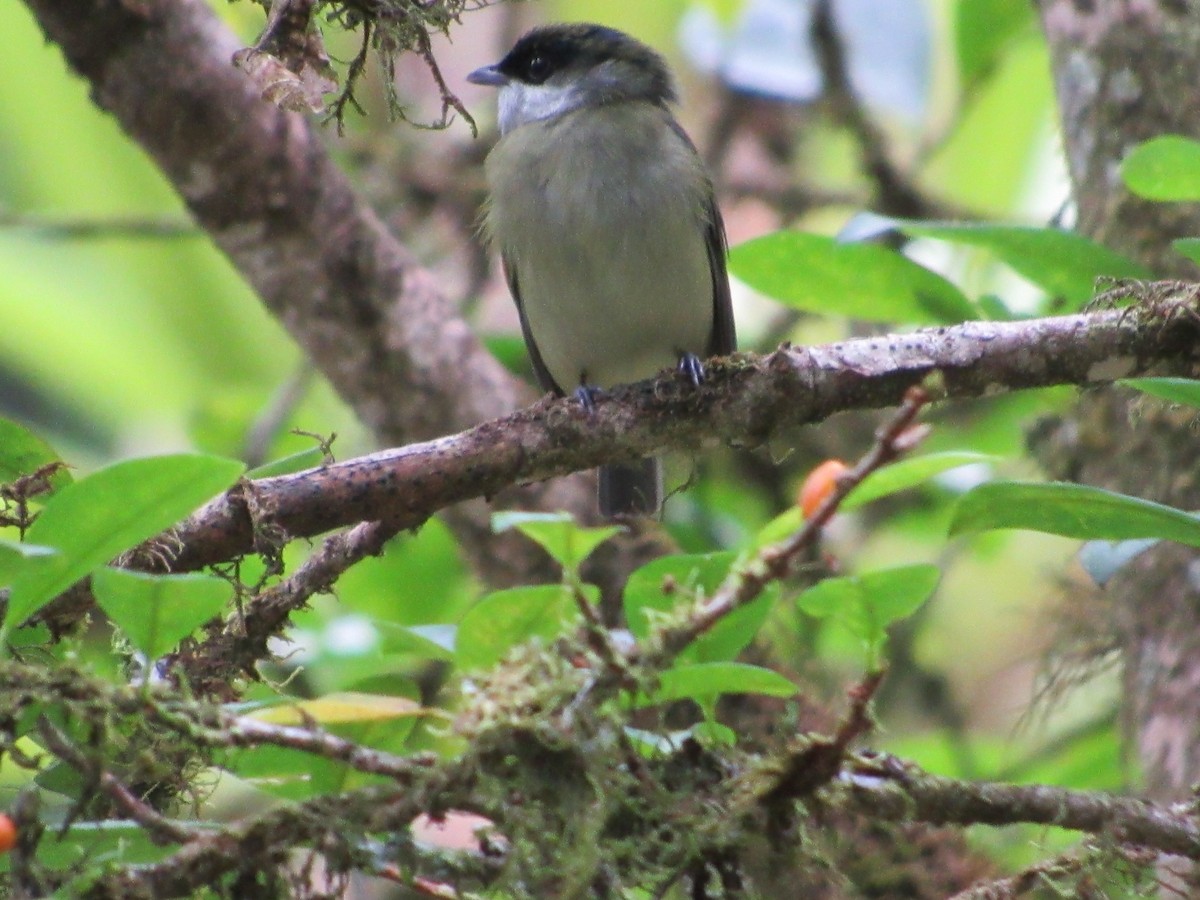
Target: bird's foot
<point>692,366</point>
<point>586,394</point>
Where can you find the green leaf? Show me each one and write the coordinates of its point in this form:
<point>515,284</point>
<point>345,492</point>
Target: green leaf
<point>425,641</point>
<point>14,556</point>
<point>704,681</point>
<point>1070,510</point>
<point>1166,167</point>
<point>503,619</point>
<point>1188,247</point>
<point>1066,264</point>
<point>783,525</point>
<point>420,579</point>
<point>909,473</point>
<point>341,708</point>
<point>116,508</point>
<point>868,603</point>
<point>897,593</point>
<point>156,612</point>
<point>712,733</point>
<point>567,543</point>
<point>982,29</point>
<point>863,281</point>
<point>1176,390</point>
<point>22,452</point>
<point>661,584</point>
<point>88,845</point>
<point>379,721</point>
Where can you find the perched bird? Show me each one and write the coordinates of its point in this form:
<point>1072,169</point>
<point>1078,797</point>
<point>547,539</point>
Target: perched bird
<point>606,223</point>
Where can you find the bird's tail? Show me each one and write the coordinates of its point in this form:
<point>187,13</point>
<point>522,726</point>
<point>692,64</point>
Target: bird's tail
<point>631,490</point>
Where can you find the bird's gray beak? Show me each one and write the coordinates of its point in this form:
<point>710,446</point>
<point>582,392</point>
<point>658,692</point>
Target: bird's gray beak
<point>488,75</point>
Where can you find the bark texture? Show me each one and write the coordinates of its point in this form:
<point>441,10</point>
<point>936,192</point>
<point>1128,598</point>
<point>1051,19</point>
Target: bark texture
<point>1125,71</point>
<point>260,182</point>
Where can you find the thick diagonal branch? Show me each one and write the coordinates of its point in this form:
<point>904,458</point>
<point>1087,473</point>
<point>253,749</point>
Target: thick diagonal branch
<point>261,184</point>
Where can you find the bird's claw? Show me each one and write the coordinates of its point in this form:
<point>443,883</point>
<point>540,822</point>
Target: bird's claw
<point>692,366</point>
<point>586,395</point>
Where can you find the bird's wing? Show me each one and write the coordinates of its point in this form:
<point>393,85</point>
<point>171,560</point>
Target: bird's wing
<point>545,379</point>
<point>724,335</point>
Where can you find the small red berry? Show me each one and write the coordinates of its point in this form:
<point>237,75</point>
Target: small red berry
<point>8,833</point>
<point>819,484</point>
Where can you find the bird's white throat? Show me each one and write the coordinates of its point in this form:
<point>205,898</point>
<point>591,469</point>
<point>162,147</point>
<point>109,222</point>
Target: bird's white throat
<point>520,103</point>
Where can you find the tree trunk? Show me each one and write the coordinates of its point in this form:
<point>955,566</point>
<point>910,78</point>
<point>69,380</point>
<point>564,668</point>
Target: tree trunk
<point>1125,71</point>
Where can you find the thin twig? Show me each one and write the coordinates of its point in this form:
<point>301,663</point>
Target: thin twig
<point>206,666</point>
<point>774,563</point>
<point>161,829</point>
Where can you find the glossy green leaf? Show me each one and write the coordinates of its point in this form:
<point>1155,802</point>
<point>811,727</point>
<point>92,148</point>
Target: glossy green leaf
<point>982,29</point>
<point>1166,167</point>
<point>1176,390</point>
<point>1070,510</point>
<point>567,542</point>
<point>863,281</point>
<point>506,618</point>
<point>1065,263</point>
<point>110,511</point>
<point>704,681</point>
<point>22,452</point>
<point>156,612</point>
<point>868,603</point>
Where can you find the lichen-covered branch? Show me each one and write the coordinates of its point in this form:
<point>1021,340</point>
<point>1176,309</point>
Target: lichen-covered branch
<point>547,755</point>
<point>886,787</point>
<point>745,401</point>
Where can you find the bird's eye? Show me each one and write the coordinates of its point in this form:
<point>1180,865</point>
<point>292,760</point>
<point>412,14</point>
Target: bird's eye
<point>537,69</point>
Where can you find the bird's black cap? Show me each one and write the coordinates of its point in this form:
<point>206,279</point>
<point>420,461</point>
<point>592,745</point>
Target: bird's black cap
<point>542,53</point>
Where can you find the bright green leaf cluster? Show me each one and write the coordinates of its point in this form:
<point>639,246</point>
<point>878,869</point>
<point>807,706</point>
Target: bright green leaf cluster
<point>867,604</point>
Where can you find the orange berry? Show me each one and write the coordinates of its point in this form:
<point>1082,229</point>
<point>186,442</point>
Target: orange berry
<point>819,484</point>
<point>8,833</point>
